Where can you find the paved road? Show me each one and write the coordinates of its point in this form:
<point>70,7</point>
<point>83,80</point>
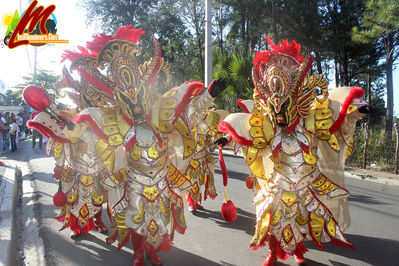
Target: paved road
<point>209,240</point>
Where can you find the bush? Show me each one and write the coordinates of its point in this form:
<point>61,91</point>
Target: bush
<point>379,151</point>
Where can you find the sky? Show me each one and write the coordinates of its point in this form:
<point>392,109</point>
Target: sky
<point>19,61</point>
<point>71,26</point>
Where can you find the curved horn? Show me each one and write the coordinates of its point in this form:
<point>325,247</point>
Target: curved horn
<point>154,65</point>
<point>301,73</point>
<point>258,85</point>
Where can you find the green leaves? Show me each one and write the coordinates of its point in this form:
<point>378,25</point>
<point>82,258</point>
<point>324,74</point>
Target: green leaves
<point>236,69</point>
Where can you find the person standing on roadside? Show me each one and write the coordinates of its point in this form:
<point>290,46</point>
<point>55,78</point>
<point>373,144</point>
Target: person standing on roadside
<point>13,134</point>
<point>35,133</point>
<point>3,128</point>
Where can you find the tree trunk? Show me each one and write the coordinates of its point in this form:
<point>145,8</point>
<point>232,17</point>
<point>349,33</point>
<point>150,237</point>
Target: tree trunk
<point>247,36</point>
<point>345,70</point>
<point>368,95</point>
<point>397,150</point>
<point>274,23</point>
<point>336,65</point>
<point>318,63</point>
<point>389,82</point>
<point>201,58</point>
<point>366,142</point>
<point>243,32</point>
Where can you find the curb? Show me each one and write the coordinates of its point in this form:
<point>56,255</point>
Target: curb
<point>8,197</point>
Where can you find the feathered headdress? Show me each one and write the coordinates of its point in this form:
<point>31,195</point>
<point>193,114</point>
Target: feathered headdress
<point>292,49</point>
<point>99,40</point>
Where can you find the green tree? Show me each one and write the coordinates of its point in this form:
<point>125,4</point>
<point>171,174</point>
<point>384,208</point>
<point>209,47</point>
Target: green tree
<point>46,77</point>
<point>381,22</point>
<point>236,69</point>
<point>159,19</point>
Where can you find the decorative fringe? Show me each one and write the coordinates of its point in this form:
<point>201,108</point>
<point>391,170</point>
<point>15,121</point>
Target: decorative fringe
<point>194,89</point>
<point>45,131</point>
<point>355,92</point>
<point>87,118</point>
<point>74,225</point>
<point>227,128</point>
<point>299,251</point>
<point>342,244</point>
<point>242,105</point>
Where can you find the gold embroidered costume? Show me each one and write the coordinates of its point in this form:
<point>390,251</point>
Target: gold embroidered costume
<point>295,144</point>
<point>129,141</point>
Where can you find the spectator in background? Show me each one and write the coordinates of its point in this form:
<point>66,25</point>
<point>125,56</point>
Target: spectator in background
<point>35,133</point>
<point>13,134</point>
<point>3,119</point>
<point>20,122</point>
<point>6,136</point>
<point>3,128</point>
<point>26,117</point>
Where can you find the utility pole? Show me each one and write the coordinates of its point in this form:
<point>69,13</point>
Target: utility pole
<point>208,42</point>
<point>34,66</point>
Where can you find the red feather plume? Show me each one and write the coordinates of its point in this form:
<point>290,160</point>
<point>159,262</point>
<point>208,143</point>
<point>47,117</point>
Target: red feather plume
<point>99,40</point>
<point>128,34</point>
<point>291,49</point>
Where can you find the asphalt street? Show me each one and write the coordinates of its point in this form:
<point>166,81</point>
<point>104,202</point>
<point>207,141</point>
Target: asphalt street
<point>209,240</point>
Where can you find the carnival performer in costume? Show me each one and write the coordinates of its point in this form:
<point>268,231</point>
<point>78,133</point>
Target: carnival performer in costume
<point>201,169</point>
<point>295,144</point>
<point>134,143</point>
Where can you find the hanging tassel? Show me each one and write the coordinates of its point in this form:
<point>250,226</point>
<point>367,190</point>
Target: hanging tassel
<point>229,212</point>
<point>249,182</point>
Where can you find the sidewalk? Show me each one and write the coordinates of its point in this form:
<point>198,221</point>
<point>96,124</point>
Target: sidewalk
<point>353,172</point>
<point>8,196</point>
<point>10,201</point>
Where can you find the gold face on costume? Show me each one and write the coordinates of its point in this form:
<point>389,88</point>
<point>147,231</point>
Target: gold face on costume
<point>278,79</point>
<point>280,112</point>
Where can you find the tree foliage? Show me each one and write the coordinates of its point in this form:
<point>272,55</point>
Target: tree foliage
<point>43,77</point>
<point>380,23</point>
<point>328,29</point>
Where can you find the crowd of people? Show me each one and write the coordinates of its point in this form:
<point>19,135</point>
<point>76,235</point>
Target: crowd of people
<point>12,128</point>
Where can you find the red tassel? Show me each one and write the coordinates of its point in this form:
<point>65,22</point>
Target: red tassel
<point>223,166</point>
<point>249,182</point>
<point>355,92</point>
<point>59,199</point>
<point>229,211</point>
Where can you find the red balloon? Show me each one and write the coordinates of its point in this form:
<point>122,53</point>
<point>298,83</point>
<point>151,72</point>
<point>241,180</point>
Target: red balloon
<point>249,182</point>
<point>59,199</point>
<point>36,97</point>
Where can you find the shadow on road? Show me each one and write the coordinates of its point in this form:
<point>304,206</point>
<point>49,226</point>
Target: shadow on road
<point>370,250</point>
<point>233,174</point>
<point>244,222</point>
<point>365,199</point>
